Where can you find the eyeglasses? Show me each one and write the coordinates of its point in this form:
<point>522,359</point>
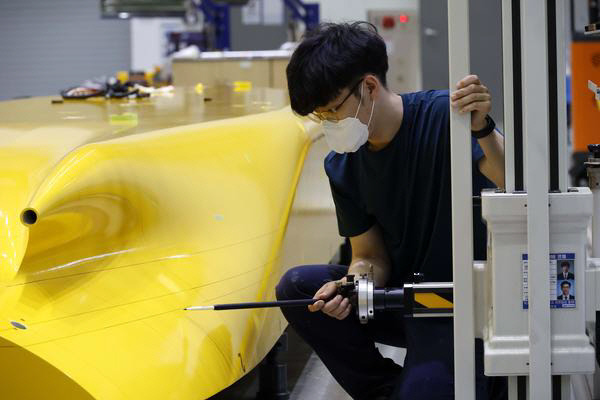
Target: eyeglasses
<point>330,115</point>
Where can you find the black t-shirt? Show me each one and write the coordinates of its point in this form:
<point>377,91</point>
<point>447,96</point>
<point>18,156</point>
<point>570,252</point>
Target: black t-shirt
<point>405,188</point>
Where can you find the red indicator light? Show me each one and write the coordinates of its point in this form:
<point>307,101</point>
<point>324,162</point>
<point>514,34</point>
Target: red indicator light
<point>388,22</point>
<point>403,18</point>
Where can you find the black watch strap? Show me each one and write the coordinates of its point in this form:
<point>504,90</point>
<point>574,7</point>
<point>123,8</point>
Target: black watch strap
<point>489,128</point>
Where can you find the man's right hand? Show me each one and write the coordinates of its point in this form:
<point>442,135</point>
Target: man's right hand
<point>337,307</point>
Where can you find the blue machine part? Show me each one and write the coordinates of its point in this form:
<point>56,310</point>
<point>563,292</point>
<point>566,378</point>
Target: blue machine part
<point>218,16</point>
<point>305,12</point>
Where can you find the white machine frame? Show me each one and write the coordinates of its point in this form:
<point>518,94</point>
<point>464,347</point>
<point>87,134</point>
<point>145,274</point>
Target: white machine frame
<point>539,335</point>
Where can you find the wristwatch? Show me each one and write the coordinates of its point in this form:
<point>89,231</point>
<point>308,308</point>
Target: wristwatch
<point>487,129</point>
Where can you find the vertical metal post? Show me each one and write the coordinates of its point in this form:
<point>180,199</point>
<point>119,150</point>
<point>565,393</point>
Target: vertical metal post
<point>462,211</point>
<point>535,111</point>
<point>518,142</point>
<point>561,96</point>
<point>507,83</point>
<point>565,387</point>
<point>596,224</point>
<point>513,389</point>
<point>552,94</point>
<point>593,172</point>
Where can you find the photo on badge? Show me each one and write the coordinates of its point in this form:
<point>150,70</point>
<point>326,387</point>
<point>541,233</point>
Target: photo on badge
<point>565,280</point>
<point>565,270</point>
<point>565,291</point>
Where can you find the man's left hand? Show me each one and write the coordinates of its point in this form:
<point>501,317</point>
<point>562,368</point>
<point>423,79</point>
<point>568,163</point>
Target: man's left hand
<point>472,95</point>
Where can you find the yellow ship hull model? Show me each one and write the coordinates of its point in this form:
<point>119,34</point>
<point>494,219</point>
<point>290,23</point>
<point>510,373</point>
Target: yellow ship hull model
<point>115,215</point>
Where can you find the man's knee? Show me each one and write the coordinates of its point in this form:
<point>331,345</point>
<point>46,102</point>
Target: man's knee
<point>289,286</point>
<point>303,282</point>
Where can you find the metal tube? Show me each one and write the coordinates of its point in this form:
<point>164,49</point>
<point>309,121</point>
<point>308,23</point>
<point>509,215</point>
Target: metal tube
<point>552,98</point>
<point>593,172</point>
<point>513,393</point>
<point>565,387</point>
<point>518,142</point>
<point>507,77</point>
<point>433,286</point>
<point>561,73</point>
<point>534,26</point>
<point>462,211</point>
<point>596,222</point>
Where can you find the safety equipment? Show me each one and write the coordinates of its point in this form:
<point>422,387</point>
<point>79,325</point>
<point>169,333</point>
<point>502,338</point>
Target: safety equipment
<point>349,134</point>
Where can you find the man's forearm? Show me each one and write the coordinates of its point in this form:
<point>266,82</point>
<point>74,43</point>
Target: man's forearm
<point>492,166</point>
<point>381,269</point>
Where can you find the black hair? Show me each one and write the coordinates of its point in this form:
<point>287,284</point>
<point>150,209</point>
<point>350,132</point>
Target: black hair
<point>565,283</point>
<point>562,264</point>
<point>330,58</point>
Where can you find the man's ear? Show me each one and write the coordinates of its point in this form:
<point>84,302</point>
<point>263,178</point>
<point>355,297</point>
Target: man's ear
<point>373,85</point>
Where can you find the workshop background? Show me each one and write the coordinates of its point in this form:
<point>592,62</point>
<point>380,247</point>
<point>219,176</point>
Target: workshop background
<point>49,46</point>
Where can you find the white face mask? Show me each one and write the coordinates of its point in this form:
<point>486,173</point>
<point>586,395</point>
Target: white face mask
<point>348,134</point>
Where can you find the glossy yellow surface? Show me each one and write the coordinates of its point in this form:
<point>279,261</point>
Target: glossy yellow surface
<point>144,207</point>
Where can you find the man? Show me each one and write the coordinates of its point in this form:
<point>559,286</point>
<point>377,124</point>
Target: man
<point>565,271</point>
<point>565,287</point>
<point>390,179</point>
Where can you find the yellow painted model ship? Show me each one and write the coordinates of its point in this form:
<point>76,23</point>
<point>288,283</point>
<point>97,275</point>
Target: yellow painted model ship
<point>117,214</point>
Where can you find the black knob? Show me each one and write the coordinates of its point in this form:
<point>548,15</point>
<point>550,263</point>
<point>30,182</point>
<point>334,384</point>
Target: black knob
<point>595,150</point>
<point>418,277</point>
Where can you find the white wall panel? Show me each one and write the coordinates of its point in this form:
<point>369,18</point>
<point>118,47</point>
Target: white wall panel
<point>352,10</point>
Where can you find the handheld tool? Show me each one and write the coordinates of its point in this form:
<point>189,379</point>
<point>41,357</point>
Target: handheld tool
<point>432,299</point>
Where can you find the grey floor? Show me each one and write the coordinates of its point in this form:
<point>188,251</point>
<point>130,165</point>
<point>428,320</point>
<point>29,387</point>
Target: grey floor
<point>315,381</point>
<point>308,379</point>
